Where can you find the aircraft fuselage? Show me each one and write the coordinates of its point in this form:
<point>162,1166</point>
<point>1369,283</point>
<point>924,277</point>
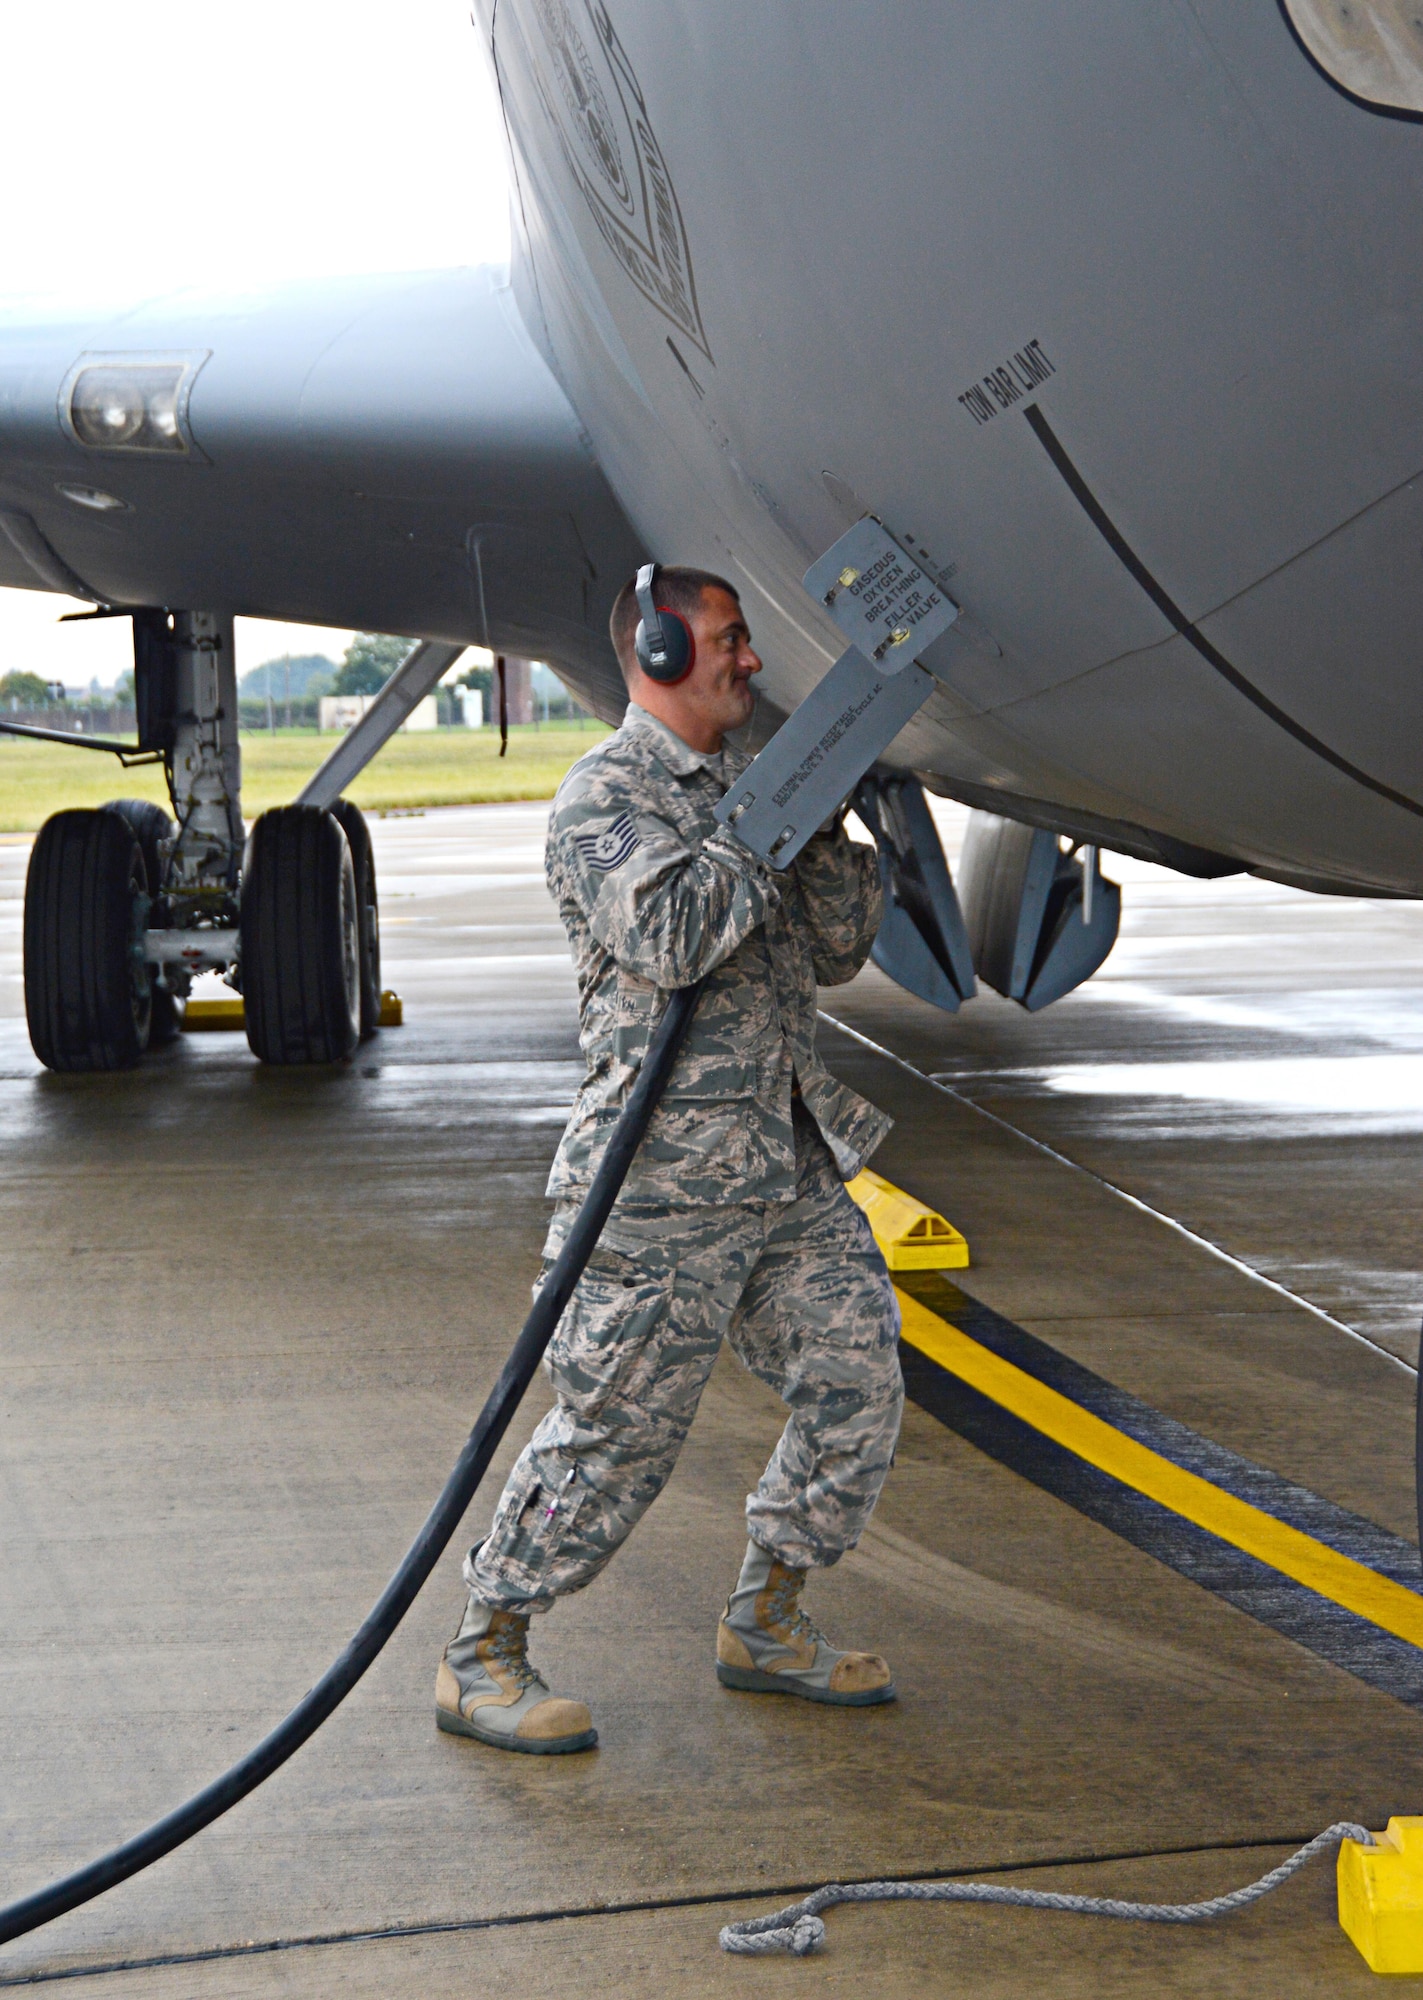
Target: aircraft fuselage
<point>1111,313</point>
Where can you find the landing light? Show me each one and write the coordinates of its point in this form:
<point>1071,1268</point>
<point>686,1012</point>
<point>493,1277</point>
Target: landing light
<point>136,408</point>
<point>138,403</point>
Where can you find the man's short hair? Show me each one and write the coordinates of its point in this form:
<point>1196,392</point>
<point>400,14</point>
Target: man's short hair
<point>679,588</point>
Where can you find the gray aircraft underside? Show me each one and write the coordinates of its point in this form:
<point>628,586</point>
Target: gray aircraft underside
<point>1111,313</point>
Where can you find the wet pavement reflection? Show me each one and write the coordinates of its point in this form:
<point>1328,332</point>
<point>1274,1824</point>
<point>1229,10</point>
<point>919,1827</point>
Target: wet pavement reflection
<point>1249,1060</point>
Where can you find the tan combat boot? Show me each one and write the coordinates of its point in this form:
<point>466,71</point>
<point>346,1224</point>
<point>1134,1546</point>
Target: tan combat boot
<point>766,1644</point>
<point>487,1689</point>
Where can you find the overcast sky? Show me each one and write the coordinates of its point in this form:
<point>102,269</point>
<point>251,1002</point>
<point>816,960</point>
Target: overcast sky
<point>166,141</point>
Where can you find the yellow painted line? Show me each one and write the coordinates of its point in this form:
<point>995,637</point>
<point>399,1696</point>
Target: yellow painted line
<point>1343,1581</point>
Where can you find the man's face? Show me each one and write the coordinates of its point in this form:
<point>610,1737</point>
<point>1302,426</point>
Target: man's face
<point>718,690</point>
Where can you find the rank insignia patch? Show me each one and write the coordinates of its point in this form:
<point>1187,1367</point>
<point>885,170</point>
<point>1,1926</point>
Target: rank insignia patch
<point>610,848</point>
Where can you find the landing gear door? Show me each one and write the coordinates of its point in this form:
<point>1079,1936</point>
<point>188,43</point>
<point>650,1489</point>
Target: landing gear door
<point>922,942</point>
<point>813,762</point>
<point>883,602</point>
<point>1040,921</point>
<point>890,610</point>
<point>155,679</point>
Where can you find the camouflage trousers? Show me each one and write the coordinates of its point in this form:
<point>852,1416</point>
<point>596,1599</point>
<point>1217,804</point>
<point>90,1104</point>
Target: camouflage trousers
<point>799,1289</point>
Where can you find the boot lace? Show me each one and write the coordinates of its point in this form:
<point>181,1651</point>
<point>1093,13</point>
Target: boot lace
<point>785,1610</point>
<point>508,1646</point>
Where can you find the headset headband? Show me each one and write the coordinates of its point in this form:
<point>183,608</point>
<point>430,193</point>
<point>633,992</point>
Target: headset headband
<point>654,636</point>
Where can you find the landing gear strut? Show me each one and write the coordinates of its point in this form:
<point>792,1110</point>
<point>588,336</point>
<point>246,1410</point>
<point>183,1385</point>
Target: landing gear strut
<point>154,832</point>
<point>123,907</point>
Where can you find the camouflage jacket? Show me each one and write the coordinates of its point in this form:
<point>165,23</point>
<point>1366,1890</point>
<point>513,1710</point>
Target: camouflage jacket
<point>654,894</point>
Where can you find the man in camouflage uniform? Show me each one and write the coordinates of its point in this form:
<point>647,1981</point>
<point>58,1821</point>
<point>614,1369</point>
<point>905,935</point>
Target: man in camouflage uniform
<point>733,1223</point>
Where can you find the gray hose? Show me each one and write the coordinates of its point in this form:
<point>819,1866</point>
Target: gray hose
<point>799,1929</point>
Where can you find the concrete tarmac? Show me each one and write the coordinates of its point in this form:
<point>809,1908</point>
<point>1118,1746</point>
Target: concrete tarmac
<point>247,1317</point>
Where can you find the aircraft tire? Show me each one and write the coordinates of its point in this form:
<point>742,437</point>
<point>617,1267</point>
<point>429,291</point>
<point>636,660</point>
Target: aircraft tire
<point>150,825</point>
<point>301,971</point>
<point>353,825</point>
<point>88,1000</point>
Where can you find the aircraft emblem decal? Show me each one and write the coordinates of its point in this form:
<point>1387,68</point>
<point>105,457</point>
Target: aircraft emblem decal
<point>594,103</point>
<point>610,848</point>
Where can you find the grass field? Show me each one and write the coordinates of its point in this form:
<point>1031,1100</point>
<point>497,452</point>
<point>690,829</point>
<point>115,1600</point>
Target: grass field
<point>445,767</point>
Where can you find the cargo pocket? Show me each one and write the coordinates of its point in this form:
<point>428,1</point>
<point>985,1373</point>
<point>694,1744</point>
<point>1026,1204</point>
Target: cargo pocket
<point>535,1518</point>
<point>614,1317</point>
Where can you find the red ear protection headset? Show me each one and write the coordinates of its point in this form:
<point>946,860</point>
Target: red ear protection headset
<point>663,642</point>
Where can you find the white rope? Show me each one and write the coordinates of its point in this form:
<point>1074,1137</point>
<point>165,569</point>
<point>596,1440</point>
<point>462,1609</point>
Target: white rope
<point>799,1928</point>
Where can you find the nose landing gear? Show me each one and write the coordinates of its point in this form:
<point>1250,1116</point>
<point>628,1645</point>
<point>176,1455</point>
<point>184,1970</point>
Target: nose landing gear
<point>309,954</point>
<point>123,907</point>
